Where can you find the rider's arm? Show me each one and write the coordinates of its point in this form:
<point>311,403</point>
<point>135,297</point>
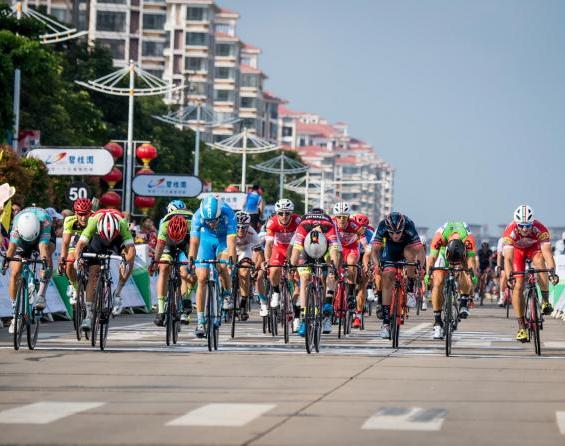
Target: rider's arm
<point>159,248</point>
<point>508,257</point>
<point>65,246</point>
<point>231,241</point>
<point>548,255</point>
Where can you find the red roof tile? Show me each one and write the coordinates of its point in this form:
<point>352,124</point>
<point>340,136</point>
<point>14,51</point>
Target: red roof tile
<point>316,129</point>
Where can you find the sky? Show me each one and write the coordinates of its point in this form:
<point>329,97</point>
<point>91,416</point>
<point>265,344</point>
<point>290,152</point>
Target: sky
<point>466,99</point>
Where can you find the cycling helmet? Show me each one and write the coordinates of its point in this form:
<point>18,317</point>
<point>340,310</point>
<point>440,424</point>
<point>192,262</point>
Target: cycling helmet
<point>178,228</point>
<point>342,208</point>
<point>361,220</point>
<point>176,205</point>
<point>242,218</point>
<point>394,222</point>
<point>54,214</point>
<point>316,211</point>
<point>524,215</point>
<point>455,251</point>
<point>28,226</point>
<point>211,207</point>
<point>284,205</point>
<point>315,244</point>
<point>82,206</point>
<point>108,226</point>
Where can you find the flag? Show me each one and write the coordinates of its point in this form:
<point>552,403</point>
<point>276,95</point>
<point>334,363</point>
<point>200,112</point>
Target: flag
<point>6,216</point>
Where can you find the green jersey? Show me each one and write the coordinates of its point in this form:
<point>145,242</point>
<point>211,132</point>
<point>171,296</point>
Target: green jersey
<point>91,229</point>
<point>164,224</point>
<point>450,230</point>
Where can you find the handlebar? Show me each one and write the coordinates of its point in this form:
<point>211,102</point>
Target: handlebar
<point>25,261</point>
<point>455,269</point>
<point>532,271</point>
<point>92,255</point>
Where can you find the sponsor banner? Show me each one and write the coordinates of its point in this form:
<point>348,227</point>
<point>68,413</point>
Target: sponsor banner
<point>167,185</point>
<point>74,161</point>
<point>236,200</point>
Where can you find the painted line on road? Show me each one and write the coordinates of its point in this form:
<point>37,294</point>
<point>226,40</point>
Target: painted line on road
<point>406,419</point>
<point>423,326</point>
<point>222,415</point>
<point>554,344</point>
<point>560,421</point>
<point>44,412</point>
<point>472,343</point>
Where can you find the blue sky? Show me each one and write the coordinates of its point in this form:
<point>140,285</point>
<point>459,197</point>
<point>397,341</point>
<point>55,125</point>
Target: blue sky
<point>466,99</point>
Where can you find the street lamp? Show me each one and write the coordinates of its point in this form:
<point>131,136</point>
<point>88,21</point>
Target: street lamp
<point>244,143</point>
<point>57,33</point>
<point>277,165</point>
<point>153,86</point>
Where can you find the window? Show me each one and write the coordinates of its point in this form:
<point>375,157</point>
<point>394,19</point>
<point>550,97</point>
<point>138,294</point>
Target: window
<point>247,60</point>
<point>156,73</point>
<point>61,15</point>
<point>249,80</point>
<point>248,102</point>
<point>224,50</point>
<point>117,47</point>
<point>121,2</point>
<point>110,21</point>
<point>248,123</point>
<point>153,49</point>
<point>199,88</point>
<point>224,95</point>
<point>196,14</point>
<point>225,28</point>
<point>224,73</point>
<point>198,39</point>
<point>154,21</point>
<point>195,64</point>
<point>286,131</point>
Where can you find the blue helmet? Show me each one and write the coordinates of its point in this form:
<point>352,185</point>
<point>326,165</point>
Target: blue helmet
<point>211,207</point>
<point>176,205</point>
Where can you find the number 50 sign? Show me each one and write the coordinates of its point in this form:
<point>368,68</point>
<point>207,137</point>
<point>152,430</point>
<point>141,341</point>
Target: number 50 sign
<point>77,190</point>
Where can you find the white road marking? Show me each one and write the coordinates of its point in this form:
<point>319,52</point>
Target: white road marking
<point>472,343</point>
<point>560,421</point>
<point>406,419</point>
<point>223,415</point>
<point>416,328</point>
<point>44,412</point>
<point>554,344</point>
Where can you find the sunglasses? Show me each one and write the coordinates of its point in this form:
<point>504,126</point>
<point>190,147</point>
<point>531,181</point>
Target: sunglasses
<point>242,227</point>
<point>81,214</point>
<point>396,232</point>
<point>212,221</point>
<point>342,216</point>
<point>283,214</point>
<point>526,225</point>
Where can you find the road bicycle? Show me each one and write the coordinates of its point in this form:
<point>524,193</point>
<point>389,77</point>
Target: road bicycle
<point>236,313</point>
<point>342,314</point>
<point>314,303</point>
<point>79,307</point>
<point>213,303</point>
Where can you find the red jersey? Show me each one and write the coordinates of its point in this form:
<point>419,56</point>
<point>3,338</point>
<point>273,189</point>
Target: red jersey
<point>536,236</point>
<point>321,222</point>
<point>351,234</point>
<point>280,234</point>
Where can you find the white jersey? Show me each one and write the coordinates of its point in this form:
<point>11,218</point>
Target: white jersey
<point>246,244</point>
<point>500,245</point>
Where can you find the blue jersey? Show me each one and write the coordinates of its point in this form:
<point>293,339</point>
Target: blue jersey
<point>45,221</point>
<point>226,226</point>
<point>409,235</point>
<point>252,202</point>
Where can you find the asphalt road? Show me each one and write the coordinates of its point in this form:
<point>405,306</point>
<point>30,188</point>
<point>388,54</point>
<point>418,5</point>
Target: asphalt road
<point>257,390</point>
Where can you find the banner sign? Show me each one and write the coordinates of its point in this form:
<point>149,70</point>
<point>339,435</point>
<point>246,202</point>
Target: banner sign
<point>74,161</point>
<point>236,200</point>
<point>156,185</point>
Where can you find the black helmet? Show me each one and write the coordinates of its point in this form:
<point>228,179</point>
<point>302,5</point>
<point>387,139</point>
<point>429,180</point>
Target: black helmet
<point>316,211</point>
<point>394,222</point>
<point>455,251</point>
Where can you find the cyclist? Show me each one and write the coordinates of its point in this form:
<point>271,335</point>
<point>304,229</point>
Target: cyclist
<point>484,255</point>
<point>499,271</point>
<point>106,232</point>
<point>172,241</point>
<point>319,222</point>
<point>254,205</point>
<point>438,257</point>
<point>350,235</point>
<point>395,239</point>
<point>527,239</point>
<point>280,229</point>
<point>212,236</point>
<point>250,247</point>
<point>364,276</point>
<point>31,232</point>
<point>73,226</point>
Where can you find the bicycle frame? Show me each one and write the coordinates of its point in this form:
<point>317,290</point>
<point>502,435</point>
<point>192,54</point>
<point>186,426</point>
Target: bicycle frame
<point>212,304</point>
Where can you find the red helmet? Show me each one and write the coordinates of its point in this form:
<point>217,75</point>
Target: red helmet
<point>108,226</point>
<point>82,206</point>
<point>178,228</point>
<point>361,220</point>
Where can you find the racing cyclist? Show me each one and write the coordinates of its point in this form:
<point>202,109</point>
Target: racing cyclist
<point>212,236</point>
<point>172,241</point>
<point>31,232</point>
<point>527,239</point>
<point>395,239</point>
<point>106,232</point>
<point>363,276</point>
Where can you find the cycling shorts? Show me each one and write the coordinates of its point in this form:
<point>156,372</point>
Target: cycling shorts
<point>521,254</point>
<point>350,250</point>
<point>171,251</point>
<point>25,250</point>
<point>278,255</point>
<point>210,247</point>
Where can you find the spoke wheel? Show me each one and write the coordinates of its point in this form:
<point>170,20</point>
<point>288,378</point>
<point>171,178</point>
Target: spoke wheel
<point>104,316</point>
<point>19,315</point>
<point>211,295</point>
<point>33,327</point>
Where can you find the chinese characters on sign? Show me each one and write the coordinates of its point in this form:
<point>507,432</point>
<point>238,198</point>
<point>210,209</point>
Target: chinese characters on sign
<point>72,161</point>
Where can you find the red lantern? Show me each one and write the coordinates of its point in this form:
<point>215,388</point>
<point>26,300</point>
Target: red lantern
<point>144,203</point>
<point>115,149</point>
<point>145,171</point>
<point>115,176</point>
<point>231,189</point>
<point>111,199</point>
<point>146,152</point>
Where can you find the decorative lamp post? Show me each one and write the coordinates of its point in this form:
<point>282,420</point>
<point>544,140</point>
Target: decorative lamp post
<point>277,165</point>
<point>147,153</point>
<point>115,150</point>
<point>151,86</point>
<point>144,203</point>
<point>113,177</point>
<point>111,199</point>
<point>244,143</point>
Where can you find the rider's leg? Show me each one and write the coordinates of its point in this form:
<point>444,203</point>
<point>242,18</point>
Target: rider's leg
<point>438,279</point>
<point>388,276</point>
<point>45,252</point>
<point>201,277</point>
<point>162,285</point>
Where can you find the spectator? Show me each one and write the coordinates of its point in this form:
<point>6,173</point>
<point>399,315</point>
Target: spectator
<point>560,245</point>
<point>147,233</point>
<point>254,206</point>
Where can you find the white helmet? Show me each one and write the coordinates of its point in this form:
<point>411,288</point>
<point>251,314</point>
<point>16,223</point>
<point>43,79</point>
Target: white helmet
<point>108,226</point>
<point>28,226</point>
<point>342,208</point>
<point>284,204</point>
<point>315,244</point>
<point>242,218</point>
<point>524,215</point>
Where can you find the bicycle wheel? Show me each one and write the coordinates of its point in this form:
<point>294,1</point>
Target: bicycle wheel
<point>448,322</point>
<point>236,304</point>
<point>32,326</point>
<point>96,308</point>
<point>79,310</point>
<point>310,319</point>
<point>169,315</point>
<point>532,304</point>
<point>340,299</point>
<point>106,311</point>
<point>286,318</point>
<point>394,327</point>
<point>319,319</point>
<point>217,320</point>
<point>210,295</point>
<point>19,314</point>
<point>273,315</point>
<point>176,315</point>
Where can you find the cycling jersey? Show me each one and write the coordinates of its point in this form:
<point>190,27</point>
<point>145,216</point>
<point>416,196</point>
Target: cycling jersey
<point>449,231</point>
<point>247,244</point>
<point>484,259</point>
<point>97,244</point>
<point>350,234</point>
<point>163,234</point>
<point>525,246</point>
<point>394,251</point>
<point>213,241</point>
<point>252,202</point>
<point>72,226</point>
<point>44,236</point>
<point>320,222</point>
<point>281,237</point>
